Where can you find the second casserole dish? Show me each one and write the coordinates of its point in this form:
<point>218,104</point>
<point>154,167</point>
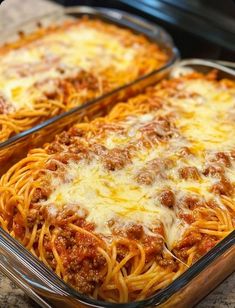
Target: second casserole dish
<point>71,59</point>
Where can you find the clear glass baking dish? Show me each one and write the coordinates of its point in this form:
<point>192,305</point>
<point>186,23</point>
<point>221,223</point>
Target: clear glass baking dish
<point>30,138</point>
<point>48,290</point>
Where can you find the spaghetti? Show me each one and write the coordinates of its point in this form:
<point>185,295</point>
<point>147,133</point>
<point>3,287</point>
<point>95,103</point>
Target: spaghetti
<point>119,207</point>
<point>55,69</point>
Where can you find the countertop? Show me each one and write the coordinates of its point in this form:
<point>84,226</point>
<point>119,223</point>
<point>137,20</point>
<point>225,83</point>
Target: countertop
<point>13,12</point>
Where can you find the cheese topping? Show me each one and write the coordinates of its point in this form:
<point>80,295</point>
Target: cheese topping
<point>114,196</point>
<point>200,123</point>
<point>61,54</point>
<point>203,119</point>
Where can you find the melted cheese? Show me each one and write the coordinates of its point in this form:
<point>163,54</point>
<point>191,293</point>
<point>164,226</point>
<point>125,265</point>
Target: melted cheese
<point>113,196</point>
<point>203,120</point>
<point>76,48</point>
<point>201,124</point>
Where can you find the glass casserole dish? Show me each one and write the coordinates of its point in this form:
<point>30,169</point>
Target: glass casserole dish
<point>84,80</point>
<point>187,284</point>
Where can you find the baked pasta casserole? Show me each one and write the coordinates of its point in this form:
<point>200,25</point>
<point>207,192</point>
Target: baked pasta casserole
<point>60,67</point>
<point>121,206</point>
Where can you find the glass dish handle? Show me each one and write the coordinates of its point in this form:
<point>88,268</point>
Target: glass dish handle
<point>147,28</point>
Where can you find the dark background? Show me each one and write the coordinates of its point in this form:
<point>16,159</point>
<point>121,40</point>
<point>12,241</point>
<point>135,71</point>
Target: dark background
<point>200,28</point>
